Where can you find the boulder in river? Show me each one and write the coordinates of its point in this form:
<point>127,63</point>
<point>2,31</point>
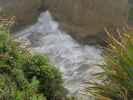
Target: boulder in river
<point>86,18</point>
<point>81,18</point>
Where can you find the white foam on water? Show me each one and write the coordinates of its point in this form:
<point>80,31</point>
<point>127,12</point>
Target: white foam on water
<point>77,62</point>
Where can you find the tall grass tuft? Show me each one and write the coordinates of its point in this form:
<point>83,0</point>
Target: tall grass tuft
<point>115,82</point>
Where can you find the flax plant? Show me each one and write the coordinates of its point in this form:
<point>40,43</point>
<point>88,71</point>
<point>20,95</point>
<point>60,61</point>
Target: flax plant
<point>115,82</point>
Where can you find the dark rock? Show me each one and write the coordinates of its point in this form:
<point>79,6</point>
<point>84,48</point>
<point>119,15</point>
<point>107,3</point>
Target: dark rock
<point>86,18</point>
<point>25,11</point>
<point>81,18</point>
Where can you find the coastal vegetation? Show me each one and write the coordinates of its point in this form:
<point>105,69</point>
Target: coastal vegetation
<point>115,82</point>
<point>24,76</point>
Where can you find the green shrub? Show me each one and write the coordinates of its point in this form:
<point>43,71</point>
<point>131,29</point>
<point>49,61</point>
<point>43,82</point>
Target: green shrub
<point>24,76</point>
<point>116,80</point>
<point>50,79</point>
<point>13,84</point>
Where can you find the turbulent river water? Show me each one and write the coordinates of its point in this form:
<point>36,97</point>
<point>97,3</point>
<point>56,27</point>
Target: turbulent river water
<point>76,61</point>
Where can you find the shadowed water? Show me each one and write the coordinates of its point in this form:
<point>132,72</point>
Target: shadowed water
<point>77,62</point>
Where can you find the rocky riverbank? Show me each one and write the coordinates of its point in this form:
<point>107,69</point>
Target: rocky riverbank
<point>82,19</point>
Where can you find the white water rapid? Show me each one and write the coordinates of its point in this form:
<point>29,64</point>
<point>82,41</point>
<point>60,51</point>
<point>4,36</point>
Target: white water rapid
<point>76,61</point>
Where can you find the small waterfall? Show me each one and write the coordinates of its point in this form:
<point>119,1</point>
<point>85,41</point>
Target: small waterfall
<point>77,62</point>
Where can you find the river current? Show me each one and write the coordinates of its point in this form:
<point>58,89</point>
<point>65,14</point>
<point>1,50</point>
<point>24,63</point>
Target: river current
<point>77,62</point>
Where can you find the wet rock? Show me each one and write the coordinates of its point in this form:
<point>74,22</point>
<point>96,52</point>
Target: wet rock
<point>25,11</point>
<point>82,19</point>
<point>86,18</point>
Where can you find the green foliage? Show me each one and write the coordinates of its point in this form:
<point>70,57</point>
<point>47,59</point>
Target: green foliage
<point>24,76</point>
<point>13,84</point>
<point>116,80</point>
<point>29,92</point>
<point>50,79</point>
